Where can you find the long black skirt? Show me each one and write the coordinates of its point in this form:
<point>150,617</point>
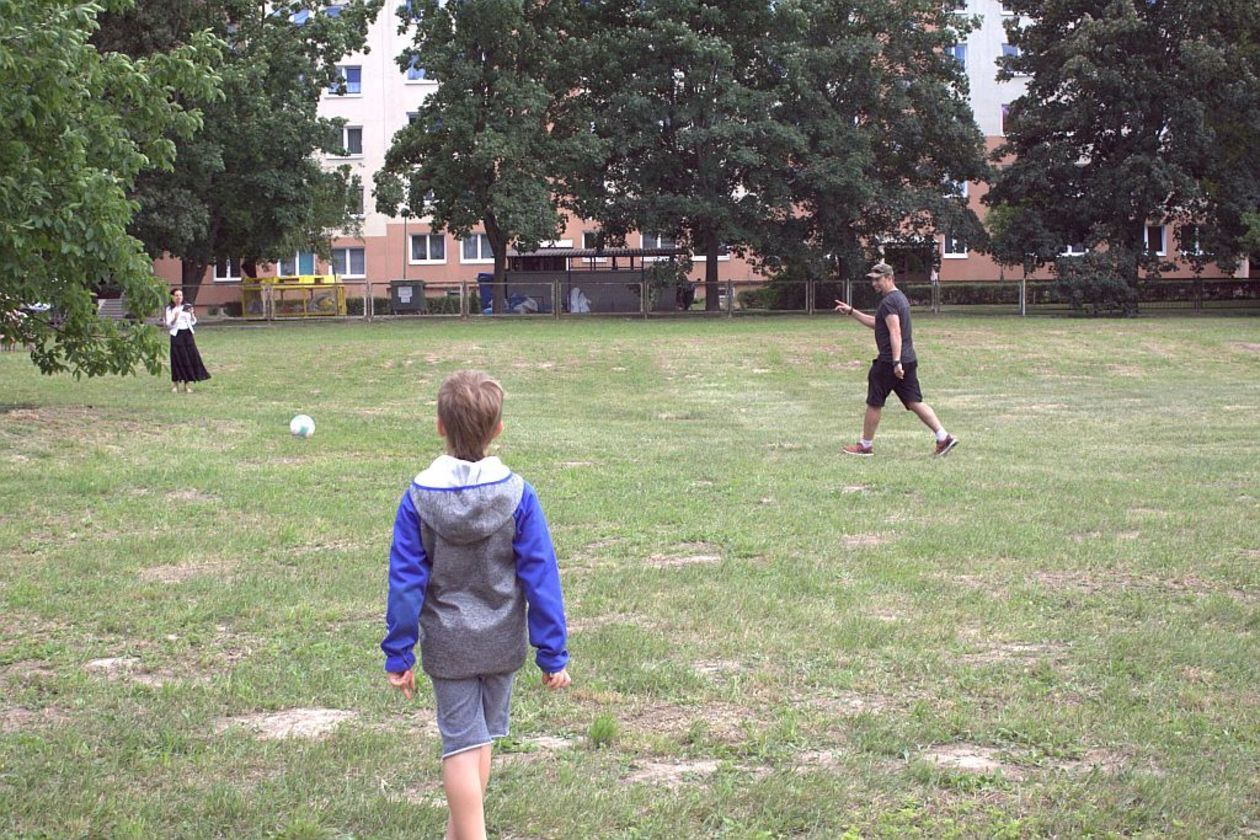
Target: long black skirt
<point>186,363</point>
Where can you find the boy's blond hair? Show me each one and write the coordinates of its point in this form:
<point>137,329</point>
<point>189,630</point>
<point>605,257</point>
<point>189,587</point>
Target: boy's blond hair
<point>470,405</point>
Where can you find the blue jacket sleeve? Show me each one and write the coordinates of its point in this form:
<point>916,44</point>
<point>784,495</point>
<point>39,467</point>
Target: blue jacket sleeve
<point>408,576</point>
<point>539,574</point>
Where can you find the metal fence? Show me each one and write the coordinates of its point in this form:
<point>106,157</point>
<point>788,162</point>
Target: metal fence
<point>589,296</point>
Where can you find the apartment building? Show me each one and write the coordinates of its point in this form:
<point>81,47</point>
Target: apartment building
<point>378,99</point>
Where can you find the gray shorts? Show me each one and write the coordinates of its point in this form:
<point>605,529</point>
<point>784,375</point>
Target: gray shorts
<point>472,712</point>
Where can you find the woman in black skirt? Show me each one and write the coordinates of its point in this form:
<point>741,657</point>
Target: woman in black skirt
<point>186,366</point>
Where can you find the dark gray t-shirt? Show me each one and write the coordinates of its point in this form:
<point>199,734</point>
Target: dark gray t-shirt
<point>894,302</point>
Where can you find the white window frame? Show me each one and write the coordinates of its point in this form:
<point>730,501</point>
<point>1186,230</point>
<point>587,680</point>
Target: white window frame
<point>420,80</point>
<point>1003,112</point>
<point>1198,245</point>
<point>1071,250</point>
<point>345,142</point>
<point>344,81</point>
<point>428,249</point>
<point>948,242</point>
<point>954,53</point>
<point>482,239</point>
<point>297,265</point>
<point>1162,250</point>
<point>593,234</point>
<point>229,262</point>
<point>346,263</point>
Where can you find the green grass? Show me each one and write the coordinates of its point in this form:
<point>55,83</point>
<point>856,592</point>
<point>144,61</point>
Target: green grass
<point>769,639</point>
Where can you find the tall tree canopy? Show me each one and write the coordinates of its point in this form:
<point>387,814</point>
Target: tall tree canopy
<point>1136,113</point>
<point>678,97</point>
<point>481,150</point>
<point>78,126</point>
<point>249,185</point>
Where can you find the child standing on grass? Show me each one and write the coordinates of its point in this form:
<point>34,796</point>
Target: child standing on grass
<point>471,550</point>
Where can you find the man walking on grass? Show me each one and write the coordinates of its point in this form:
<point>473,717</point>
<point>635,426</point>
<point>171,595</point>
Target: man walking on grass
<point>895,368</point>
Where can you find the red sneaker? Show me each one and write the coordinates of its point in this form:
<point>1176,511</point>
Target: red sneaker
<point>859,449</point>
<point>944,446</point>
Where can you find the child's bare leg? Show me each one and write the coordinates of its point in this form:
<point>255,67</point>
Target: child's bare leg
<point>465,782</point>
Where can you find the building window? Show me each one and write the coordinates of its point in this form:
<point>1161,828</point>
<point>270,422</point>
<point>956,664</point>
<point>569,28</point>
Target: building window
<point>227,268</point>
<point>349,262</point>
<point>1188,238</point>
<point>959,52</point>
<point>954,248</point>
<point>412,116</point>
<point>356,204</point>
<point>1075,249</point>
<point>1155,240</point>
<point>352,140</point>
<point>956,189</point>
<point>428,248</point>
<point>350,82</point>
<point>476,249</point>
<point>415,73</point>
<point>1006,115</point>
<point>303,262</point>
<point>1010,51</point>
<point>659,240</point>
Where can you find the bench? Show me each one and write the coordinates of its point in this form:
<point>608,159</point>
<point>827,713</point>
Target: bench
<point>114,309</point>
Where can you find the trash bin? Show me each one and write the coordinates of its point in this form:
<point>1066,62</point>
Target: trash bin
<point>406,296</point>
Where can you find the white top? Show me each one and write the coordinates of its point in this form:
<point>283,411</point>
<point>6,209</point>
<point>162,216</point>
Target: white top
<point>178,319</point>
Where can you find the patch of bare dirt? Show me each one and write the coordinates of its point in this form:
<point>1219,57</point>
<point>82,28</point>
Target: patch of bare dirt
<point>815,759</point>
<point>971,758</point>
<point>1249,346</point>
<point>864,540</point>
<point>687,554</point>
<point>289,723</point>
<point>1016,652</point>
<point>27,671</point>
<point>1090,584</point>
<point>181,572</point>
<point>724,722</point>
<point>848,703</point>
<point>20,720</point>
<point>855,488</point>
<point>573,464</point>
<point>189,494</point>
<point>113,667</point>
<point>672,774</point>
<point>716,667</point>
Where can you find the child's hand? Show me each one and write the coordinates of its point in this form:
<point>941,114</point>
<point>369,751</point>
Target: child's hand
<point>404,682</point>
<point>560,679</point>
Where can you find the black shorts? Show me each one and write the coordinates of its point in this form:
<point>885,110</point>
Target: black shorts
<point>881,381</point>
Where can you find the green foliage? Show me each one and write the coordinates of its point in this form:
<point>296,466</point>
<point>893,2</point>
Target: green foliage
<point>77,129</point>
<point>1135,113</point>
<point>603,731</point>
<point>249,185</point>
<point>879,128</point>
<point>1097,281</point>
<point>481,151</point>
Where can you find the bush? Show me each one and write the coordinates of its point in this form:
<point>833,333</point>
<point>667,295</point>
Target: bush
<point>444,305</point>
<point>354,306</point>
<point>1095,281</point>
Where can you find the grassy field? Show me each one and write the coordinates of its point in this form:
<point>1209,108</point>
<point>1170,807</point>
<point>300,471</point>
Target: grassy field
<point>1051,632</point>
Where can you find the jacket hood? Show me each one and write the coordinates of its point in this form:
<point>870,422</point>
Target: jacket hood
<point>466,501</point>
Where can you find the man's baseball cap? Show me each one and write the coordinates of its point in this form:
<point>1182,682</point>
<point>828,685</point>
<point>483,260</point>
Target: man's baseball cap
<point>880,269</point>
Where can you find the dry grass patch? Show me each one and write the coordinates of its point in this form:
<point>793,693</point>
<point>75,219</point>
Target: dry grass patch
<point>1249,346</point>
<point>847,703</point>
<point>716,667</point>
<point>181,572</point>
<point>25,720</point>
<point>595,622</point>
<point>971,758</point>
<point>190,494</point>
<point>727,723</point>
<point>289,723</point>
<point>1093,584</point>
<point>1016,652</point>
<point>672,774</point>
<point>686,554</point>
<point>864,540</point>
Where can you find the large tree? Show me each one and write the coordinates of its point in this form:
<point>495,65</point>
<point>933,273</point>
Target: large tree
<point>1136,113</point>
<point>883,134</point>
<point>678,97</point>
<point>481,151</point>
<point>249,185</point>
<point>77,127</point>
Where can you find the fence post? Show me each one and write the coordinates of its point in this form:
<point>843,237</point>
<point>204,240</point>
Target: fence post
<point>848,291</point>
<point>809,296</point>
<point>463,300</point>
<point>730,298</point>
<point>1198,292</point>
<point>367,296</point>
<point>555,299</point>
<point>1023,296</point>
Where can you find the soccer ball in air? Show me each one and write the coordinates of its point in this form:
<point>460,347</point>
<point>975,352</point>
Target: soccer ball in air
<point>302,426</point>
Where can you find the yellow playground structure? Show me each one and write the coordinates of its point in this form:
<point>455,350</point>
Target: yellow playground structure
<point>297,296</point>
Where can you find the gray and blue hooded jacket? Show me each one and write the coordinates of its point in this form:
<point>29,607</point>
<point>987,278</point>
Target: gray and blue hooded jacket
<point>471,550</point>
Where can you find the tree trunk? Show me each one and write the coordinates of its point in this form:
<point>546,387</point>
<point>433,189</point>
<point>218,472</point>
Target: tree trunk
<point>498,247</point>
<point>191,274</point>
<point>711,290</point>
